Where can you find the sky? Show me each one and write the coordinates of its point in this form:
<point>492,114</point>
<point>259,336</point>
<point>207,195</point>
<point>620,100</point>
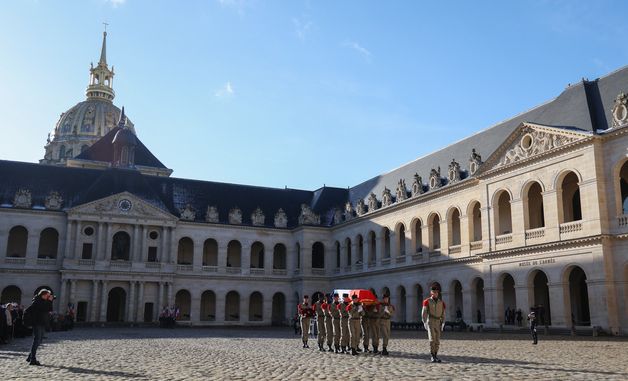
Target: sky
<point>298,93</point>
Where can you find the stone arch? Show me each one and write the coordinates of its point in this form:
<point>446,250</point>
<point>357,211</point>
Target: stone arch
<point>208,306</point>
<point>256,306</point>
<point>338,254</point>
<point>577,300</point>
<point>11,294</point>
<point>121,246</point>
<point>185,251</point>
<point>386,242</point>
<point>477,300</point>
<point>568,193</point>
<point>257,255</point>
<point>532,197</point>
<point>400,237</point>
<point>183,301</point>
<point>506,296</point>
<point>401,304</point>
<point>417,304</point>
<point>502,212</point>
<point>280,257</point>
<point>17,242</point>
<point>417,235</point>
<point>538,285</point>
<point>359,245</point>
<point>457,302</point>
<point>116,304</point>
<point>433,223</point>
<point>234,254</point>
<point>232,306</point>
<point>474,217</point>
<point>210,252</point>
<point>620,180</point>
<point>298,254</point>
<point>48,243</point>
<point>318,255</point>
<point>453,225</point>
<point>372,246</point>
<point>348,251</point>
<point>278,317</point>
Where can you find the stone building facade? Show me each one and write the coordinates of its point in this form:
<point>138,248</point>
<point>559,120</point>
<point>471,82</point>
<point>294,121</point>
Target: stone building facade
<point>532,211</point>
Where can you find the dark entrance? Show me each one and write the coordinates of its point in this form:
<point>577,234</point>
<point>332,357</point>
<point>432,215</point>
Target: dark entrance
<point>148,312</point>
<point>116,305</point>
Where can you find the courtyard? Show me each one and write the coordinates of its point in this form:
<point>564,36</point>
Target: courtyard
<point>276,354</point>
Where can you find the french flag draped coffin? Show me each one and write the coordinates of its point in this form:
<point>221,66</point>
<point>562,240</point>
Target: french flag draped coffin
<point>365,297</point>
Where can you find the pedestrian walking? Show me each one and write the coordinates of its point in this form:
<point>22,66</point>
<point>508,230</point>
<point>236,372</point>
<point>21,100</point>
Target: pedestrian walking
<point>433,314</point>
<point>36,315</point>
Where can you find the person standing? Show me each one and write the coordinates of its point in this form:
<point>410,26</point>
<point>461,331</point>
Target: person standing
<point>533,323</point>
<point>37,313</point>
<point>329,324</point>
<point>334,311</point>
<point>320,322</point>
<point>355,311</point>
<point>387,311</point>
<point>305,313</point>
<point>368,312</point>
<point>374,315</point>
<point>345,334</point>
<point>433,314</point>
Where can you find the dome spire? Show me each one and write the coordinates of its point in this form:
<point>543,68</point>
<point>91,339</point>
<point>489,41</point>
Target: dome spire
<point>100,77</point>
<point>103,50</point>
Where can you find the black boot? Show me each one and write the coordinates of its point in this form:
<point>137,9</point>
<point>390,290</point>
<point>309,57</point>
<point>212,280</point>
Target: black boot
<point>359,349</point>
<point>366,349</point>
<point>343,349</point>
<point>384,352</point>
<point>304,345</point>
<point>432,357</point>
<point>336,348</point>
<point>375,350</point>
<point>354,352</point>
<point>436,357</point>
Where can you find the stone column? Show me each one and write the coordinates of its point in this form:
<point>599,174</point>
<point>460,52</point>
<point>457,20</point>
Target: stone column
<point>245,259</point>
<point>269,254</point>
<point>135,241</point>
<point>108,244</point>
<point>306,259</point>
<point>131,303</point>
<point>62,295</point>
<point>143,256</point>
<point>32,245</point>
<point>220,307</point>
<point>68,239</point>
<point>98,241</point>
<point>72,292</point>
<point>488,228</point>
<point>139,317</point>
<point>290,259</point>
<point>160,300</point>
<point>93,310</point>
<point>522,296</point>
<point>172,256</point>
<point>195,307</point>
<point>104,294</point>
<point>163,247</point>
<point>467,305</point>
<point>343,256</point>
<point>197,254</point>
<point>491,316</point>
<point>222,257</point>
<point>550,214</point>
<point>444,236</point>
<point>244,308</point>
<point>77,241</point>
<point>518,222</point>
<point>464,234</point>
<point>267,309</point>
<point>558,293</point>
<point>413,305</point>
<point>425,239</point>
<point>170,294</point>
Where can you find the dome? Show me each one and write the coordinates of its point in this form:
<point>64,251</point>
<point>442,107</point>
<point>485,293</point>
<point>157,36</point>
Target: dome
<point>91,119</point>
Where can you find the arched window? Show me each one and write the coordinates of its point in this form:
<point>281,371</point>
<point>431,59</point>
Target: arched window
<point>579,297</point>
<point>256,307</point>
<point>232,306</point>
<point>454,227</point>
<point>434,231</point>
<point>570,192</point>
<point>18,239</point>
<point>360,249</point>
<point>372,241</point>
<point>183,301</point>
<point>475,222</point>
<point>298,252</point>
<point>234,254</point>
<point>185,252</point>
<point>503,217</point>
<point>386,238</point>
<point>48,243</point>
<point>279,257</point>
<point>257,255</point>
<point>417,236</point>
<point>11,294</point>
<point>208,306</point>
<point>121,246</point>
<point>318,255</point>
<point>400,233</point>
<point>623,187</point>
<point>535,217</point>
<point>210,252</point>
<point>278,317</point>
<point>338,254</point>
<point>348,251</point>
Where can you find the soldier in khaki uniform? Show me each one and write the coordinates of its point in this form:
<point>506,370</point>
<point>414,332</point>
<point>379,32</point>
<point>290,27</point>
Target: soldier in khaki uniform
<point>329,325</point>
<point>433,316</point>
<point>374,313</point>
<point>345,334</point>
<point>365,328</point>
<point>386,312</point>
<point>320,322</point>
<point>355,310</point>
<point>334,311</point>
<point>305,313</point>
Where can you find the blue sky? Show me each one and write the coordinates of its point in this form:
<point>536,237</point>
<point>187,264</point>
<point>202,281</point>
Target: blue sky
<point>298,93</point>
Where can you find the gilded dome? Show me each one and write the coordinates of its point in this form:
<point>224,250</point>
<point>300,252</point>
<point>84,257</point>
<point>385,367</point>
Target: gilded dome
<point>88,119</point>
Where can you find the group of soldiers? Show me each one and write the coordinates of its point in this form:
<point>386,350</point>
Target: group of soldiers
<point>344,323</point>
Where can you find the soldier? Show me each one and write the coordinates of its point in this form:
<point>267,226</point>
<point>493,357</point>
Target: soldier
<point>329,325</point>
<point>386,312</point>
<point>374,315</point>
<point>334,311</point>
<point>320,321</point>
<point>345,334</point>
<point>365,327</point>
<point>305,313</point>
<point>355,310</point>
<point>533,324</point>
<point>433,319</point>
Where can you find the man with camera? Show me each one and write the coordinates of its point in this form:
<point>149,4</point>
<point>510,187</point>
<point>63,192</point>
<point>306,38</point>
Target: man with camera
<point>36,316</point>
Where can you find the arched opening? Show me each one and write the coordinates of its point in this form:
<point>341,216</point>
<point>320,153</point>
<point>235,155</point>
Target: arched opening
<point>318,255</point>
<point>121,246</point>
<point>256,305</point>
<point>183,301</point>
<point>386,238</point>
<point>401,298</point>
<point>18,239</point>
<point>348,251</point>
<point>417,236</point>
<point>454,227</point>
<point>185,251</point>
<point>434,231</point>
<point>475,221</point>
<point>570,193</point>
<point>535,217</point>
<point>210,252</point>
<point>479,315</point>
<point>360,249</point>
<point>257,255</point>
<point>579,297</point>
<point>372,242</point>
<point>232,306</point>
<point>503,216</point>
<point>298,253</point>
<point>509,298</point>
<point>400,234</point>
<point>623,187</point>
<point>457,309</point>
<point>48,244</point>
<point>116,304</point>
<point>234,254</point>
<point>11,294</point>
<point>337,245</point>
<point>208,306</point>
<point>541,297</point>
<point>279,309</point>
<point>279,256</point>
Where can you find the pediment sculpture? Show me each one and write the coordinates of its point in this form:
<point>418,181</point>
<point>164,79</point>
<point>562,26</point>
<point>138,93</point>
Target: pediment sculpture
<point>417,185</point>
<point>235,216</point>
<point>308,217</point>
<point>257,217</point>
<point>620,110</point>
<point>474,162</point>
<point>435,179</point>
<point>534,142</point>
<point>373,204</point>
<point>188,213</point>
<point>22,199</point>
<point>281,219</point>
<point>360,207</point>
<point>212,214</point>
<point>348,211</point>
<point>337,216</point>
<point>402,191</point>
<point>387,198</point>
<point>54,201</point>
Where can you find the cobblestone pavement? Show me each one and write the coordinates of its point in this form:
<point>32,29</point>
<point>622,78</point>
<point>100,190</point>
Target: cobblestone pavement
<point>276,354</point>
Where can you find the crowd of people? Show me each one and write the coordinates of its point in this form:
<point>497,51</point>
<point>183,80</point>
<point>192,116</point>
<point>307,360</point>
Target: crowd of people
<point>511,315</point>
<point>11,324</point>
<point>168,316</point>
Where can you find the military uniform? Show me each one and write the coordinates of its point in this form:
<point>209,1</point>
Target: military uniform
<point>433,316</point>
<point>365,328</point>
<point>320,323</point>
<point>356,311</point>
<point>373,325</point>
<point>386,312</point>
<point>329,325</point>
<point>305,313</point>
<point>334,311</point>
<point>345,334</point>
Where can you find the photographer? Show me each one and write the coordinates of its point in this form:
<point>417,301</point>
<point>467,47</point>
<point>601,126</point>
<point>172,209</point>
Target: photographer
<point>37,315</point>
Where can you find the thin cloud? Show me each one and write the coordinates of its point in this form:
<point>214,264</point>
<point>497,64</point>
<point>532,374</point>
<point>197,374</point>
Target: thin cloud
<point>226,91</point>
<point>116,3</point>
<point>364,52</point>
<point>301,28</point>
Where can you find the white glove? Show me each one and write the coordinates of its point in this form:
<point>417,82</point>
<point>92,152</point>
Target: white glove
<point>386,310</point>
<point>442,326</point>
<point>426,327</point>
<point>360,309</point>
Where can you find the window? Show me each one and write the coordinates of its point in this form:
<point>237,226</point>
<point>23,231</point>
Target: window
<point>87,251</point>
